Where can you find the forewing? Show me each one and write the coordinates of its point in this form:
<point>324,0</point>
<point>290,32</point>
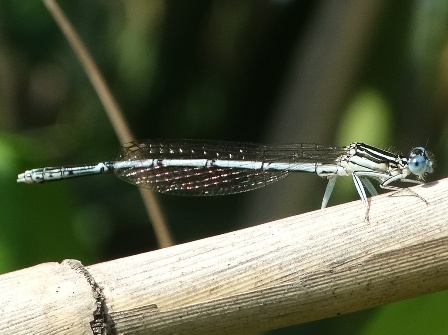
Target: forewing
<point>200,181</point>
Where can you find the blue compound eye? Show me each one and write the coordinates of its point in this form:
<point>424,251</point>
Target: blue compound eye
<point>417,165</point>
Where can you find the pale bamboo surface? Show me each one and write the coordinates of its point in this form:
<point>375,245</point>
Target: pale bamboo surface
<point>302,268</point>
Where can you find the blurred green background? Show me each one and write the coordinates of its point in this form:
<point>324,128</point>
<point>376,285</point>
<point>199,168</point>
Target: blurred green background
<point>274,71</point>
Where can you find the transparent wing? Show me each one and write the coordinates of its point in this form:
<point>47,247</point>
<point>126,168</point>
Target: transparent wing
<point>209,180</point>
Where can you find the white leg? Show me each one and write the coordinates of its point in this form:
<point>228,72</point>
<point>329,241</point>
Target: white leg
<point>360,188</point>
<point>400,177</point>
<point>369,186</point>
<point>328,190</point>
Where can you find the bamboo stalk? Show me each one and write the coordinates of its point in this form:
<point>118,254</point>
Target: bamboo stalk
<point>113,111</point>
<point>298,269</point>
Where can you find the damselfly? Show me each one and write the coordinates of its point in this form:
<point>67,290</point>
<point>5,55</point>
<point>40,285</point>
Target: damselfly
<point>211,168</point>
